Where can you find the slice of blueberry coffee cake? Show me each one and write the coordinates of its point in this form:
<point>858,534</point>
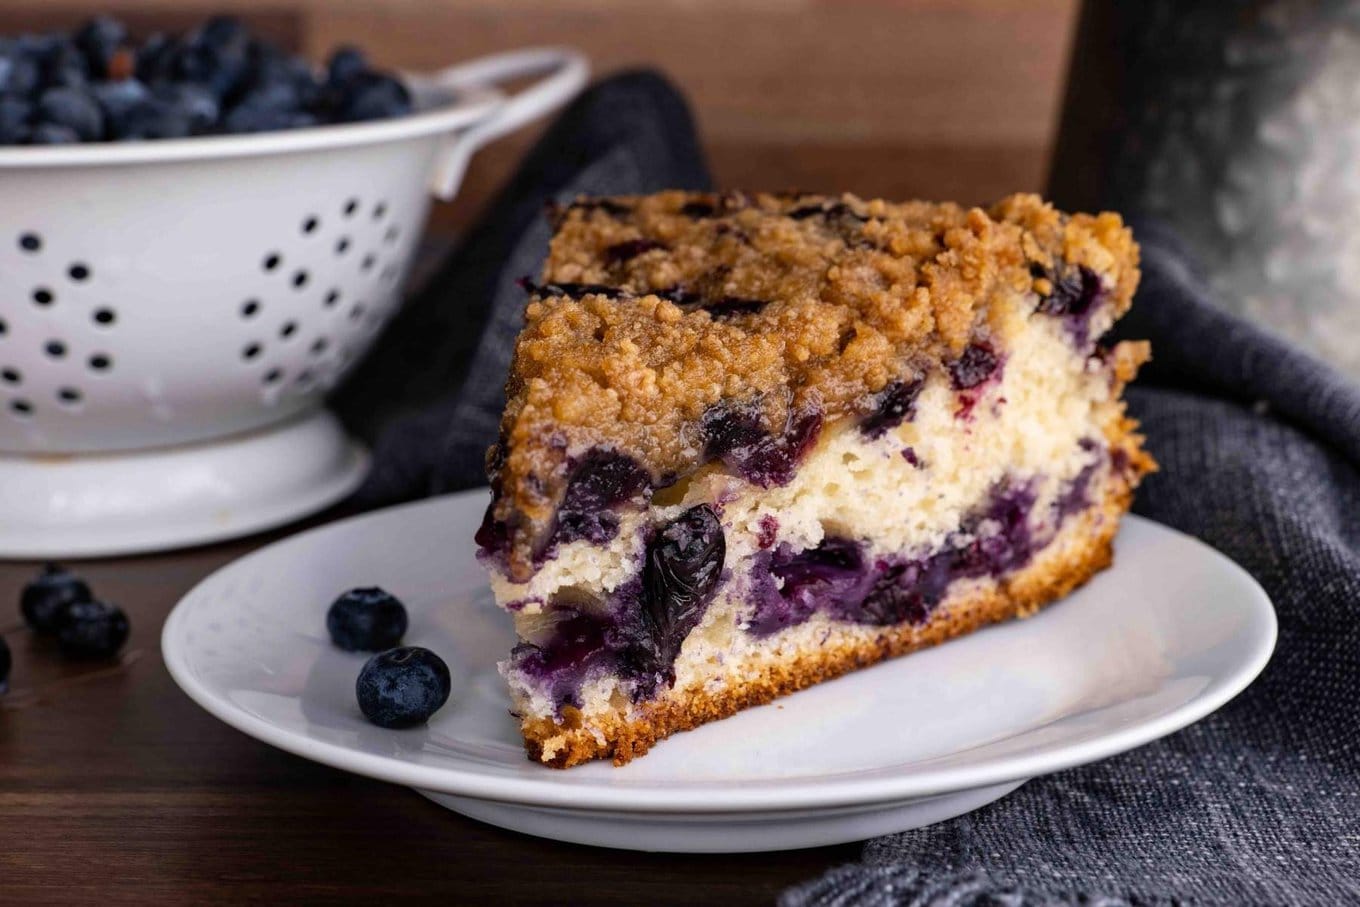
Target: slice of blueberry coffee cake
<point>755,442</point>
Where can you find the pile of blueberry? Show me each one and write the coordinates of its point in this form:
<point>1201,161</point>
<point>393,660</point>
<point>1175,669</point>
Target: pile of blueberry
<point>95,85</point>
<point>401,686</point>
<point>58,603</point>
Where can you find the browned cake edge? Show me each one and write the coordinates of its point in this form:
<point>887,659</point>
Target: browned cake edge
<point>1081,549</point>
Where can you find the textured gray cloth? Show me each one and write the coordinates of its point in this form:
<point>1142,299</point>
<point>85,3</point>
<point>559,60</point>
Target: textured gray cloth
<point>1259,446</point>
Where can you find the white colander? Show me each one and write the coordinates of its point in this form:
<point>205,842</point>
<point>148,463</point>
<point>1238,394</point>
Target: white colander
<point>173,312</point>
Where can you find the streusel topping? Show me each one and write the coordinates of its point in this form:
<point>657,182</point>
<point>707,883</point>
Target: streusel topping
<point>658,312</point>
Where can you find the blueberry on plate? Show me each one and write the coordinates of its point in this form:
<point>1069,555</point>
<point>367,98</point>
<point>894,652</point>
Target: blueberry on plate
<point>92,629</point>
<point>368,619</point>
<point>44,599</point>
<point>402,687</point>
<point>5,663</point>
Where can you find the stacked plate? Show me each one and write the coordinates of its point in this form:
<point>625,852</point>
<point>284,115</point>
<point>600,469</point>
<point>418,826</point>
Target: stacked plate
<point>1169,634</point>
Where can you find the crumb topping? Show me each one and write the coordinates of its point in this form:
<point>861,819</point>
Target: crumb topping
<point>656,310</point>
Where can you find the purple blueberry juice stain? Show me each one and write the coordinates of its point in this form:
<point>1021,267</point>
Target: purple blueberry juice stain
<point>836,577</point>
<point>639,632</point>
<point>630,249</point>
<point>1076,294</point>
<point>600,481</point>
<point>893,405</point>
<point>734,434</point>
<point>978,363</point>
<point>769,531</point>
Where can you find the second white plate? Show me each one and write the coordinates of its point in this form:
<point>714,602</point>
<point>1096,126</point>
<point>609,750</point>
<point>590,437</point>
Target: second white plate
<point>1166,636</point>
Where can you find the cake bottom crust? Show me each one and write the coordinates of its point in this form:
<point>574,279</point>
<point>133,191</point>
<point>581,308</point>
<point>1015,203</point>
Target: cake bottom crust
<point>1082,548</point>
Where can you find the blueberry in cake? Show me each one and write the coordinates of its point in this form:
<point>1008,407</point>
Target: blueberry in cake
<point>753,442</point>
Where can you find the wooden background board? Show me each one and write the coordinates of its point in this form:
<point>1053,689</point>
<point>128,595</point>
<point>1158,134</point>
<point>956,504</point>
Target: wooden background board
<point>941,99</point>
<point>118,789</point>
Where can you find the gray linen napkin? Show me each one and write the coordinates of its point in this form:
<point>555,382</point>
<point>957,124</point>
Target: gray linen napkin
<point>1260,452</point>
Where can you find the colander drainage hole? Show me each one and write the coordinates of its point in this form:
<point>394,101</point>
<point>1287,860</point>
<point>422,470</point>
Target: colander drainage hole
<point>21,408</point>
<point>69,395</point>
<point>310,224</point>
<point>342,246</point>
<point>357,312</point>
<point>289,328</point>
<point>79,272</point>
<point>331,299</point>
<point>30,242</point>
<point>319,346</point>
<point>368,262</point>
<point>11,376</point>
<point>43,296</point>
<point>272,260</point>
<point>379,210</point>
<point>104,317</point>
<point>300,280</point>
<point>100,362</point>
<point>391,235</point>
<point>351,206</point>
<point>56,349</point>
<point>4,327</point>
<point>273,375</point>
<point>250,308</point>
<point>250,352</point>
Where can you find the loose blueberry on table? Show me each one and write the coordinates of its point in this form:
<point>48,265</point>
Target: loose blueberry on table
<point>96,85</point>
<point>367,619</point>
<point>48,595</point>
<point>402,687</point>
<point>92,629</point>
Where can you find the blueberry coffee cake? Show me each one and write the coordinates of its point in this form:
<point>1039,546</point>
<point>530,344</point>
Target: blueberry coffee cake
<point>753,442</point>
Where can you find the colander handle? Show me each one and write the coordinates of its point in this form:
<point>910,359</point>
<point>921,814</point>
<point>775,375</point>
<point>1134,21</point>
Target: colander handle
<point>566,72</point>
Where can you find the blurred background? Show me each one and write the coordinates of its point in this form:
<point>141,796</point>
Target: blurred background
<point>876,97</point>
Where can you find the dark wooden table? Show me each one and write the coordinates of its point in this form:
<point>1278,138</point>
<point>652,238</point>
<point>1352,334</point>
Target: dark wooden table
<point>116,788</point>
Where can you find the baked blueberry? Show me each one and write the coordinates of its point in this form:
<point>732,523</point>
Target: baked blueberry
<point>47,596</point>
<point>402,687</point>
<point>92,629</point>
<point>367,619</point>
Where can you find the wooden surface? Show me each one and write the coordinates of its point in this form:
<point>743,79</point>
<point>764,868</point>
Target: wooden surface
<point>115,788</point>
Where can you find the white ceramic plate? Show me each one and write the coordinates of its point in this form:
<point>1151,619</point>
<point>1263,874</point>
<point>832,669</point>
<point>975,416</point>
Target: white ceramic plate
<point>1169,634</point>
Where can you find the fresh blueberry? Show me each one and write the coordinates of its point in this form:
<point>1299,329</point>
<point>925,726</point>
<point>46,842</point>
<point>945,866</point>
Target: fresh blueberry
<point>98,39</point>
<point>19,69</point>
<point>156,59</point>
<point>52,134</point>
<point>153,119</point>
<point>402,687</point>
<point>92,629</point>
<point>683,564</point>
<point>117,99</point>
<point>194,103</point>
<point>47,596</point>
<point>5,662</point>
<point>64,66</point>
<point>374,96</point>
<point>74,108</point>
<point>345,65</point>
<point>14,115</point>
<point>368,619</point>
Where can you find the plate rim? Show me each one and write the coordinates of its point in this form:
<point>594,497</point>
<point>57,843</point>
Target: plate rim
<point>706,799</point>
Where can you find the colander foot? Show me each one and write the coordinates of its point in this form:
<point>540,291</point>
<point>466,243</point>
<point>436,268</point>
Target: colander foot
<point>95,505</point>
